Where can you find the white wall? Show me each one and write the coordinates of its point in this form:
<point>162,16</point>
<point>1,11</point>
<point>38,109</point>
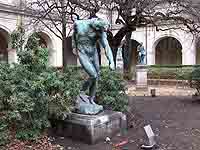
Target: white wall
<point>9,2</point>
<point>8,22</point>
<point>150,37</point>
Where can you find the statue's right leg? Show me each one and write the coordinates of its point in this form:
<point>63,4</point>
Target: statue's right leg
<point>89,68</point>
<point>93,87</point>
<point>142,59</point>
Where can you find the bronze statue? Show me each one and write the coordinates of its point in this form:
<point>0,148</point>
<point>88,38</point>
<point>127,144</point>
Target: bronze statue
<point>85,37</point>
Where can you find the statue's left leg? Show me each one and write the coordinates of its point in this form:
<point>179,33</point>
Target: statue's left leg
<point>142,59</point>
<point>88,66</point>
<point>93,86</point>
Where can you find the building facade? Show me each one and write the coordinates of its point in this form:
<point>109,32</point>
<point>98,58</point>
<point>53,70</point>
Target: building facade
<point>173,47</point>
<point>163,47</point>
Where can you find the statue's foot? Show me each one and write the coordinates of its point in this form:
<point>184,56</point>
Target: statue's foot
<point>84,97</point>
<point>91,99</point>
<point>87,105</point>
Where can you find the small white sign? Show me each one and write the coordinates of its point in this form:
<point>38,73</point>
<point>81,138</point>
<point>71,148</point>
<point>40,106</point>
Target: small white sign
<point>149,131</point>
<point>150,135</point>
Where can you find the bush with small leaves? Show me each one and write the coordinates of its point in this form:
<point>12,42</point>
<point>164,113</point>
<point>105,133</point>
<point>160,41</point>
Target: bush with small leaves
<point>194,79</point>
<point>111,91</point>
<point>32,92</point>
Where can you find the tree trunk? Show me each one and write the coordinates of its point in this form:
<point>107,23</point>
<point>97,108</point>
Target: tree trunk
<point>64,33</point>
<point>126,54</point>
<point>115,41</point>
<point>133,54</point>
<point>64,51</point>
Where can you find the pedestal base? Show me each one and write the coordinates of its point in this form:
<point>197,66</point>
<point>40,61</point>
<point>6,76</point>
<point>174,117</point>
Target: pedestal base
<point>92,128</point>
<point>141,77</point>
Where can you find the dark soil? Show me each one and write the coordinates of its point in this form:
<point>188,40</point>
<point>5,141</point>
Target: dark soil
<point>175,121</point>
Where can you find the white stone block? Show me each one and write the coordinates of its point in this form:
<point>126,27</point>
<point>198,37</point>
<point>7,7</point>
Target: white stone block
<point>141,77</point>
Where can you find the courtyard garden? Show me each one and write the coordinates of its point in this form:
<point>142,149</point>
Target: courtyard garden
<point>32,94</point>
<point>35,97</point>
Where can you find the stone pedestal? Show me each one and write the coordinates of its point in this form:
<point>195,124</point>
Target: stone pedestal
<point>141,77</point>
<point>92,128</point>
<point>119,59</point>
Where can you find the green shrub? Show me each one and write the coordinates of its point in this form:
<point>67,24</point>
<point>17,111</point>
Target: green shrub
<point>18,38</point>
<point>111,91</point>
<point>179,72</point>
<point>63,88</point>
<point>23,94</point>
<point>191,73</point>
<point>4,132</point>
<point>194,79</point>
<point>30,98</point>
<point>31,92</point>
<point>25,99</point>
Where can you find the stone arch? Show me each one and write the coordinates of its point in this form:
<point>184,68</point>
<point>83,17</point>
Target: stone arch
<point>157,40</point>
<point>6,29</point>
<point>45,40</point>
<point>4,44</point>
<point>168,50</point>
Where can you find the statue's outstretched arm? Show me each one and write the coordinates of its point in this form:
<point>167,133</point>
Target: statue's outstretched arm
<point>104,43</point>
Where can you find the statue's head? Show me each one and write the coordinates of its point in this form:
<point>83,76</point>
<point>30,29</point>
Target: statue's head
<point>99,24</point>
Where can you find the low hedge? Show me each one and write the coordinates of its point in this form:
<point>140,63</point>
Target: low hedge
<point>179,72</point>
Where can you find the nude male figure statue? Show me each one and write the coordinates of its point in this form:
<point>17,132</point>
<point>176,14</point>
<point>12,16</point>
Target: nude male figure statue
<point>85,37</point>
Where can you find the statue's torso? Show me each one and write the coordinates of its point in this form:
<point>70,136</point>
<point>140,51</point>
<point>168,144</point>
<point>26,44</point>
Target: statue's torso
<point>86,37</point>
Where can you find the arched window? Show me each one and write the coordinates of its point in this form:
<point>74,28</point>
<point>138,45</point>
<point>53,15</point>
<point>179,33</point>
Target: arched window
<point>168,51</point>
<point>3,46</point>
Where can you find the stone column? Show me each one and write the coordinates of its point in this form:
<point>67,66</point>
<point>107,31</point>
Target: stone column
<point>104,61</point>
<point>151,57</point>
<point>12,56</point>
<point>189,53</point>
